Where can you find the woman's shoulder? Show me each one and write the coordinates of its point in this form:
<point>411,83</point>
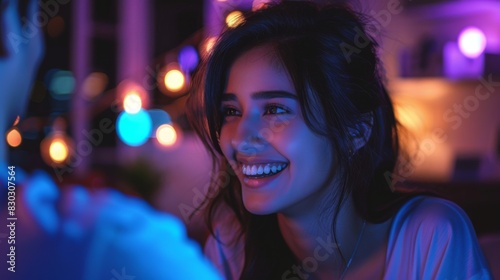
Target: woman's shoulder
<point>431,211</point>
<point>427,219</point>
<point>432,237</point>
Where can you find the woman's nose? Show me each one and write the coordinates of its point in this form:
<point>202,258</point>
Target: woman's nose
<point>248,138</point>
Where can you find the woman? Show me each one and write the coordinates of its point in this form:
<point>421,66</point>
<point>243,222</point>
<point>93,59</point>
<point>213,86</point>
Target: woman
<point>294,110</point>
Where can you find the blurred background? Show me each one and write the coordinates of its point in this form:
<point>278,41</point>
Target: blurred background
<point>108,106</point>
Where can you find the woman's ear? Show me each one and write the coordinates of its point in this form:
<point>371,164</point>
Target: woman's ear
<point>360,133</point>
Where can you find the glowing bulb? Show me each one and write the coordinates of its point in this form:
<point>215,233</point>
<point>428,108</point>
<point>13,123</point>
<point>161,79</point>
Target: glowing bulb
<point>134,129</point>
<point>209,44</point>
<point>94,84</point>
<point>132,103</point>
<point>14,138</point>
<point>188,58</point>
<point>62,84</point>
<point>174,80</point>
<point>58,150</point>
<point>166,135</point>
<point>472,42</point>
<point>234,19</point>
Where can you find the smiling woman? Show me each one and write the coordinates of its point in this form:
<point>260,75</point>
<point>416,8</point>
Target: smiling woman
<point>306,133</point>
<point>260,98</point>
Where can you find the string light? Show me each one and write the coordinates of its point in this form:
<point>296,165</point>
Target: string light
<point>132,103</point>
<point>174,80</point>
<point>134,129</point>
<point>209,44</point>
<point>132,96</point>
<point>58,150</point>
<point>14,138</point>
<point>94,84</point>
<point>166,135</point>
<point>234,19</point>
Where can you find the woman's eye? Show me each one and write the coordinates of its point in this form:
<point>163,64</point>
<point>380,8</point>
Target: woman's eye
<point>275,110</point>
<point>230,111</point>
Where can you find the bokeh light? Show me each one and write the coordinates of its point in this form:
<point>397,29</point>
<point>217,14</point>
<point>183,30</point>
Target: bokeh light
<point>134,129</point>
<point>16,121</point>
<point>188,58</point>
<point>234,19</point>
<point>409,116</point>
<point>209,44</point>
<point>472,42</point>
<point>259,4</point>
<point>166,135</point>
<point>55,27</point>
<point>132,103</point>
<point>60,83</point>
<point>127,88</point>
<point>174,80</point>
<point>94,84</point>
<point>58,150</point>
<point>14,138</point>
<point>159,117</point>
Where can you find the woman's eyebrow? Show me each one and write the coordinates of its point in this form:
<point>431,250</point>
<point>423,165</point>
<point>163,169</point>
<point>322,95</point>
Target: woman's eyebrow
<point>267,94</point>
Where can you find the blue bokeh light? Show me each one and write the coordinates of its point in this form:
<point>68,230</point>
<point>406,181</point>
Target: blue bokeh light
<point>188,58</point>
<point>61,83</point>
<point>134,129</point>
<point>158,117</point>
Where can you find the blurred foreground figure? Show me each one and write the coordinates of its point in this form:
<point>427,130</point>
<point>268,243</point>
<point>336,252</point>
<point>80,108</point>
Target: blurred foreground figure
<point>76,234</point>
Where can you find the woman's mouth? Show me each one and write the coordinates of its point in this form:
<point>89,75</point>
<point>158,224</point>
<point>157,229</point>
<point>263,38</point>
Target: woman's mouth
<point>256,171</point>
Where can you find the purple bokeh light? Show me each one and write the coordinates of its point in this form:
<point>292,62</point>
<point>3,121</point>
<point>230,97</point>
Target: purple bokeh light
<point>188,58</point>
<point>472,42</point>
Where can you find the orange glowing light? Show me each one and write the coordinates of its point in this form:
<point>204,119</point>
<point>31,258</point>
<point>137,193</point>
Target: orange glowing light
<point>16,122</point>
<point>174,80</point>
<point>132,103</point>
<point>166,135</point>
<point>14,138</point>
<point>209,44</point>
<point>234,19</point>
<point>94,84</point>
<point>58,150</point>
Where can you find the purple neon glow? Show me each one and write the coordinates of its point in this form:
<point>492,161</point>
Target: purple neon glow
<point>472,42</point>
<point>188,58</point>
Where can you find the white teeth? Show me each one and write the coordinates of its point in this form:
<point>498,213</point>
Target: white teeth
<point>259,170</point>
<point>267,169</point>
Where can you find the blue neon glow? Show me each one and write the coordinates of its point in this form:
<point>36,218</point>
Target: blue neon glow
<point>61,84</point>
<point>134,129</point>
<point>188,58</point>
<point>159,117</point>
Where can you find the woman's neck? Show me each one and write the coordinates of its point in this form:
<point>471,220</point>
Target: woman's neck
<point>311,240</point>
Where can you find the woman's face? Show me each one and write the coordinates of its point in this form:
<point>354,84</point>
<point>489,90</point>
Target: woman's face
<point>282,165</point>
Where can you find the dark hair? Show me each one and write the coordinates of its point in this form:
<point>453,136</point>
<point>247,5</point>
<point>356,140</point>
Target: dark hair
<point>333,64</point>
<point>22,8</point>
